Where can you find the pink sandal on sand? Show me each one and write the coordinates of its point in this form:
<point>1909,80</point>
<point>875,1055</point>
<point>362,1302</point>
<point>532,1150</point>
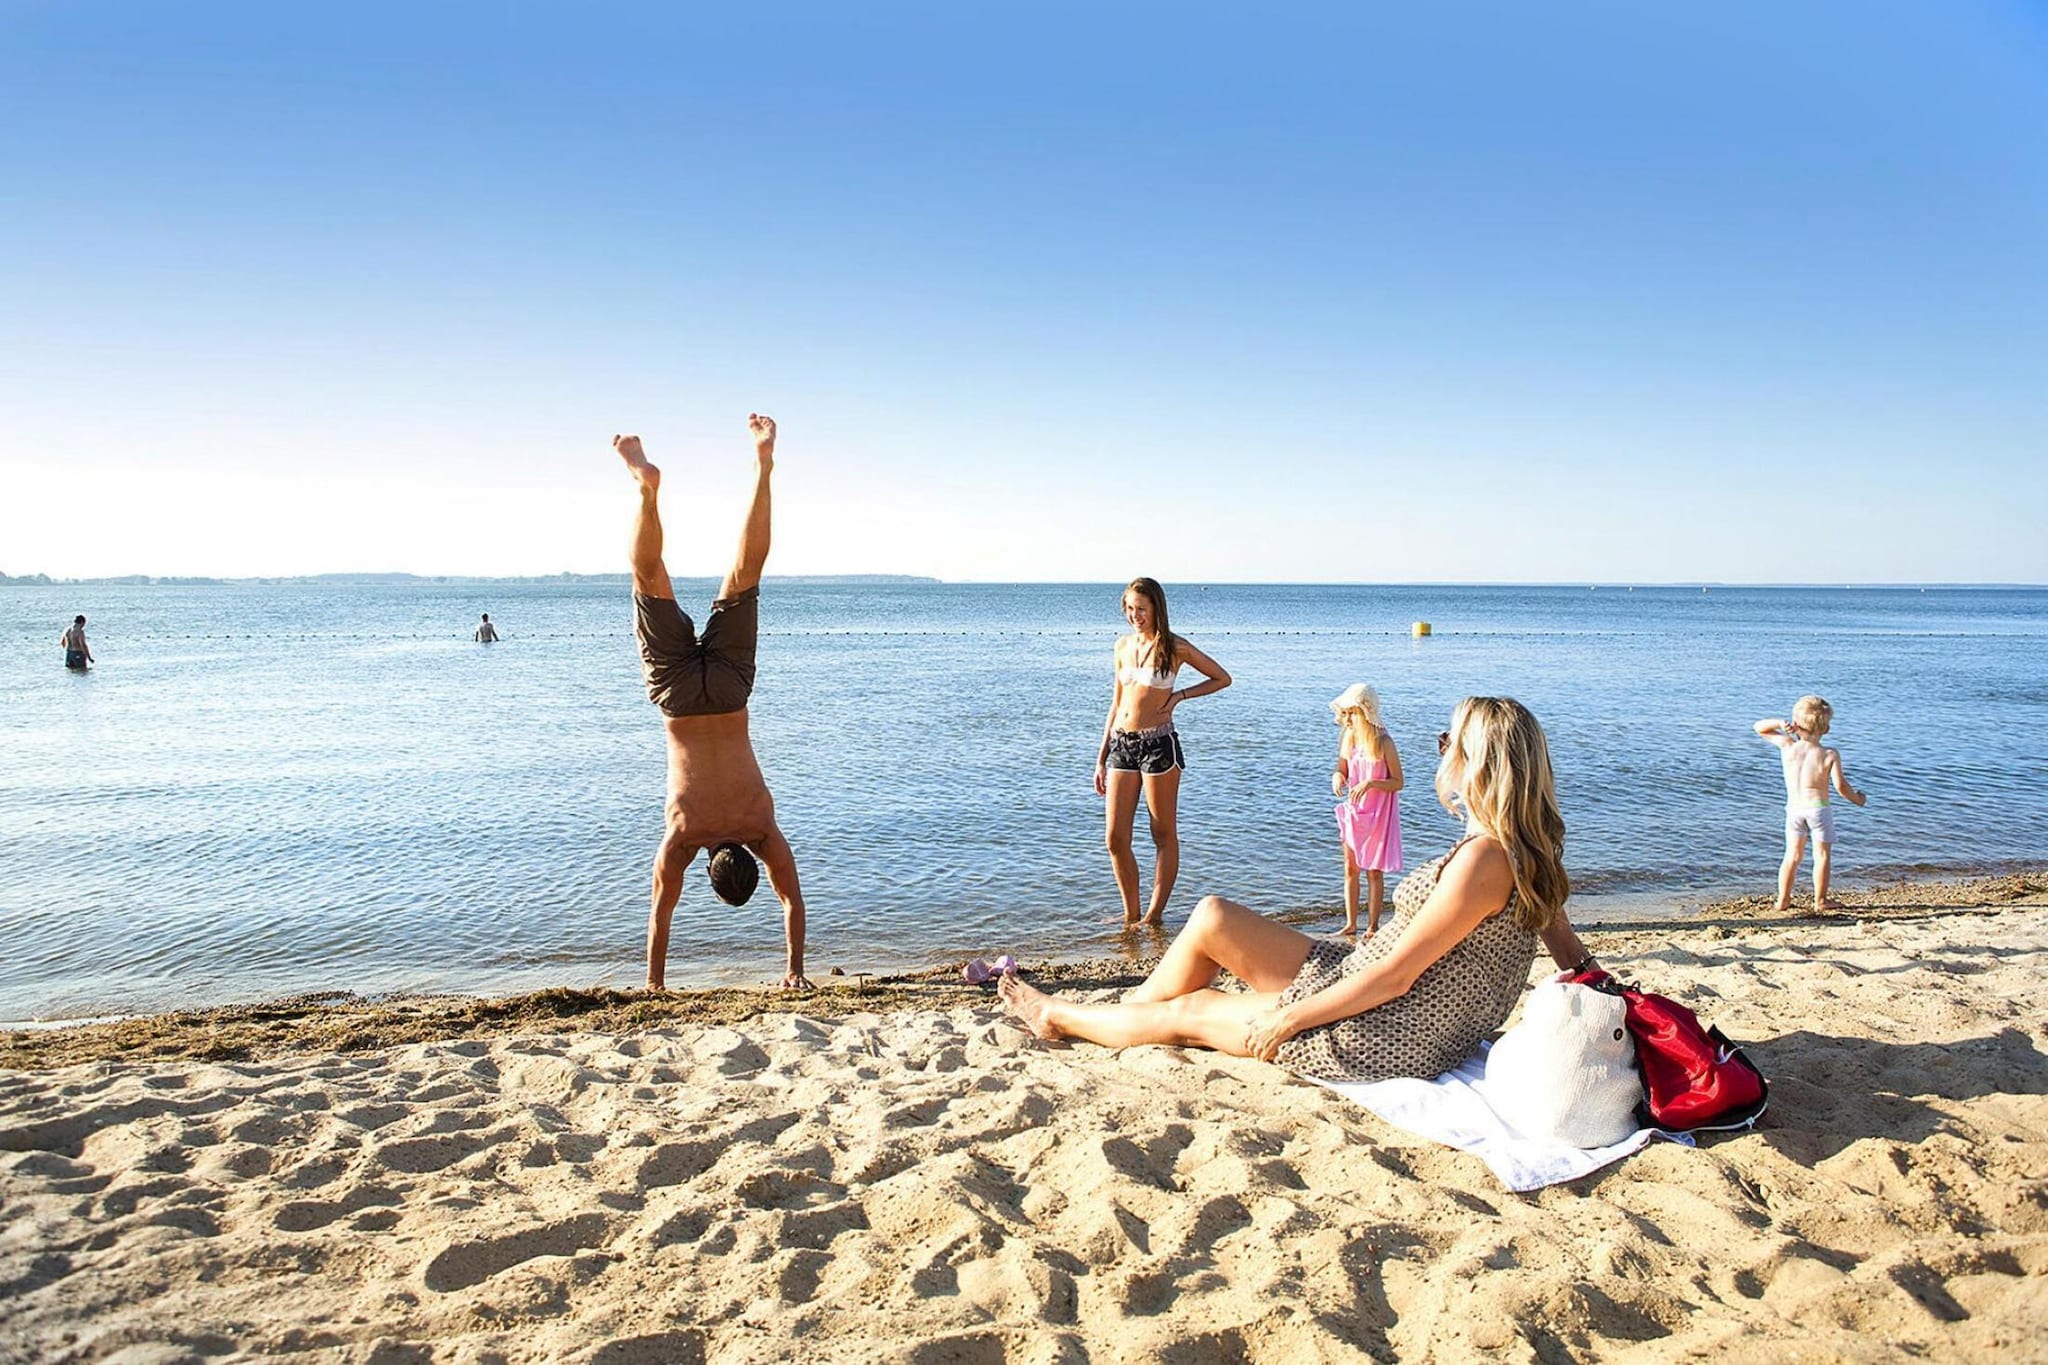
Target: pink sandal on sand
<point>979,973</point>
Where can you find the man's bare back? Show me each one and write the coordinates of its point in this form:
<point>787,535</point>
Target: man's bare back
<point>716,793</point>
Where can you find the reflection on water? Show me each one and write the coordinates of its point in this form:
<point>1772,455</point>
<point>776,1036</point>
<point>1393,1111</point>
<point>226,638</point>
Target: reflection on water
<point>272,789</point>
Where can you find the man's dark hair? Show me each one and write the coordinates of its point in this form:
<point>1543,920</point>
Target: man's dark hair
<point>487,616</point>
<point>734,874</point>
<point>79,621</point>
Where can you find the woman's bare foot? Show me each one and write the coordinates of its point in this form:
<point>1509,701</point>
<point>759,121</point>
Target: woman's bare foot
<point>1830,906</point>
<point>762,428</point>
<point>1033,1007</point>
<point>636,460</point>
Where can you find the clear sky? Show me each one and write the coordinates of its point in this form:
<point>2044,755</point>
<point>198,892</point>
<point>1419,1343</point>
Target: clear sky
<point>1478,292</point>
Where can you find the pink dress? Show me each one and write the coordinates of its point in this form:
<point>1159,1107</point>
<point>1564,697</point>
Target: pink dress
<point>1371,825</point>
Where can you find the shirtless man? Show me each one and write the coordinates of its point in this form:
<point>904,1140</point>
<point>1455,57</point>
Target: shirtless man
<point>716,796</point>
<point>77,653</point>
<point>1810,767</point>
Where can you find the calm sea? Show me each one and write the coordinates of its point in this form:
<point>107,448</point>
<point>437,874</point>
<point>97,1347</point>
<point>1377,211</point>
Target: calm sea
<point>266,790</point>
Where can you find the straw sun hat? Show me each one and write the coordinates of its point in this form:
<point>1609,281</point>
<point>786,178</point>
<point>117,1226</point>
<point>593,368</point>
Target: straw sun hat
<point>1355,696</point>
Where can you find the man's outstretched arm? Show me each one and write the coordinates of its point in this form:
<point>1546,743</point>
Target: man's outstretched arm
<point>669,862</point>
<point>781,865</point>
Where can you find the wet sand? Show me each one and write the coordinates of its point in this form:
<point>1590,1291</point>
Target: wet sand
<point>895,1171</point>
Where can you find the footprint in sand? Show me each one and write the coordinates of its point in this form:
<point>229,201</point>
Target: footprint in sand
<point>468,1264</point>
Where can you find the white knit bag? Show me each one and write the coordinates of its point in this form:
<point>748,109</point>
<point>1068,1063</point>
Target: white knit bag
<point>1567,1071</point>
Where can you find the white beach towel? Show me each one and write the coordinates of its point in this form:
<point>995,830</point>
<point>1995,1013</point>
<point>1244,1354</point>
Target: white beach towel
<point>1453,1110</point>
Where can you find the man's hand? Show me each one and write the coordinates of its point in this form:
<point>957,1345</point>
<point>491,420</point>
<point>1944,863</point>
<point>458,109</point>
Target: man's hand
<point>762,428</point>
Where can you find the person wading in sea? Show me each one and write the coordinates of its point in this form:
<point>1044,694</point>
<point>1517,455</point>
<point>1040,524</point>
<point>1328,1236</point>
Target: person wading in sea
<point>717,798</point>
<point>77,653</point>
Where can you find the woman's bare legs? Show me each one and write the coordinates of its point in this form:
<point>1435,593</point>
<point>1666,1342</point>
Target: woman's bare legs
<point>1350,892</point>
<point>1123,789</point>
<point>1222,935</point>
<point>1162,804</point>
<point>1375,899</point>
<point>1211,1019</point>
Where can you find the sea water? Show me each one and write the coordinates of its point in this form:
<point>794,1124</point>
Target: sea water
<point>267,789</point>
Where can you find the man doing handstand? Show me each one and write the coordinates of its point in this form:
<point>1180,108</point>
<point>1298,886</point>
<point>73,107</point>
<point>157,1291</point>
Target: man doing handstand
<point>717,798</point>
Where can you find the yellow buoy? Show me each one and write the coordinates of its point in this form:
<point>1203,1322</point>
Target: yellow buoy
<point>1419,629</point>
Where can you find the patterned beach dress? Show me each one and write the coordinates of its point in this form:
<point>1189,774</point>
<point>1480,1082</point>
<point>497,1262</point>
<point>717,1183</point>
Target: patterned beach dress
<point>1458,1001</point>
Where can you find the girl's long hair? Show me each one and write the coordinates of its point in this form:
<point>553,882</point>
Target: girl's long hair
<point>1162,644</point>
<point>1509,791</point>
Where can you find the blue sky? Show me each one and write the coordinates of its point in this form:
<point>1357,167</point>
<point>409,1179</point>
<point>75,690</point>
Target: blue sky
<point>1349,293</point>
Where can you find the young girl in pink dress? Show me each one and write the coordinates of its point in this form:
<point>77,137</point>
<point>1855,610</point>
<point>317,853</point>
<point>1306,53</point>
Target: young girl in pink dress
<point>1367,776</point>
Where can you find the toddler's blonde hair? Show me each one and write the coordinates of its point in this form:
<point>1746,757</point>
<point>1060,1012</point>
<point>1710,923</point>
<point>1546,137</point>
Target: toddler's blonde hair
<point>1812,715</point>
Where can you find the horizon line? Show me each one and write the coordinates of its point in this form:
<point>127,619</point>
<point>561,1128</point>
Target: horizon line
<point>398,577</point>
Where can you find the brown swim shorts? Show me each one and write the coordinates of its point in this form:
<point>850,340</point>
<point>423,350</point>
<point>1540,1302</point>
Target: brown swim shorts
<point>692,674</point>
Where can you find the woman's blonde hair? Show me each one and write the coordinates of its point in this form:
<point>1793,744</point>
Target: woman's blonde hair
<point>1812,715</point>
<point>1506,785</point>
<point>1365,705</point>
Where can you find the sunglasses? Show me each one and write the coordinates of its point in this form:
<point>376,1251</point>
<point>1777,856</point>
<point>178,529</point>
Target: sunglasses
<point>1443,742</point>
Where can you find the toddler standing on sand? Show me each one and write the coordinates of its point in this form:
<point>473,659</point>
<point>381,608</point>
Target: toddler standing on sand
<point>1367,776</point>
<point>1810,768</point>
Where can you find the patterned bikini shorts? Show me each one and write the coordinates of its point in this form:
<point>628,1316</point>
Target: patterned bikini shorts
<point>1151,751</point>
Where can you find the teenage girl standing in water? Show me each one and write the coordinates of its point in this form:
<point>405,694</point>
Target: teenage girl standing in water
<point>1141,750</point>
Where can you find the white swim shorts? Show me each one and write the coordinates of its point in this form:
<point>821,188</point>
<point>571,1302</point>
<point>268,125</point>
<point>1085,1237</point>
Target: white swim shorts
<point>1820,820</point>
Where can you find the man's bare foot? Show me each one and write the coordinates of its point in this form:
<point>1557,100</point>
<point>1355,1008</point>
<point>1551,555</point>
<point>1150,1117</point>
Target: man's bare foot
<point>762,428</point>
<point>1157,919</point>
<point>1830,906</point>
<point>636,460</point>
<point>1033,1007</point>
<point>654,986</point>
<point>797,981</point>
<point>1782,908</point>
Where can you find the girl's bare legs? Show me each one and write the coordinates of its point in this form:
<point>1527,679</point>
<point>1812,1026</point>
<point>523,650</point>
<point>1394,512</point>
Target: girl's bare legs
<point>1211,1019</point>
<point>1162,804</point>
<point>1350,892</point>
<point>1122,789</point>
<point>1376,898</point>
<point>1224,936</point>
<point>1795,849</point>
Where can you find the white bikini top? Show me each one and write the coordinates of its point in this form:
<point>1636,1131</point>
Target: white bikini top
<point>1137,675</point>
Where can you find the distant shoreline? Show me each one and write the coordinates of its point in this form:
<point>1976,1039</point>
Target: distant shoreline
<point>925,580</point>
<point>352,580</point>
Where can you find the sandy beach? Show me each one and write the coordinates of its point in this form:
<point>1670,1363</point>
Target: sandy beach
<point>897,1172</point>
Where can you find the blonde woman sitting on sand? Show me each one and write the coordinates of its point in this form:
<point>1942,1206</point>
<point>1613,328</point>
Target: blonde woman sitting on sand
<point>1414,999</point>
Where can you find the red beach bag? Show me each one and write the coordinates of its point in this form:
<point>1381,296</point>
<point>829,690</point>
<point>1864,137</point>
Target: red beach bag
<point>1695,1077</point>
